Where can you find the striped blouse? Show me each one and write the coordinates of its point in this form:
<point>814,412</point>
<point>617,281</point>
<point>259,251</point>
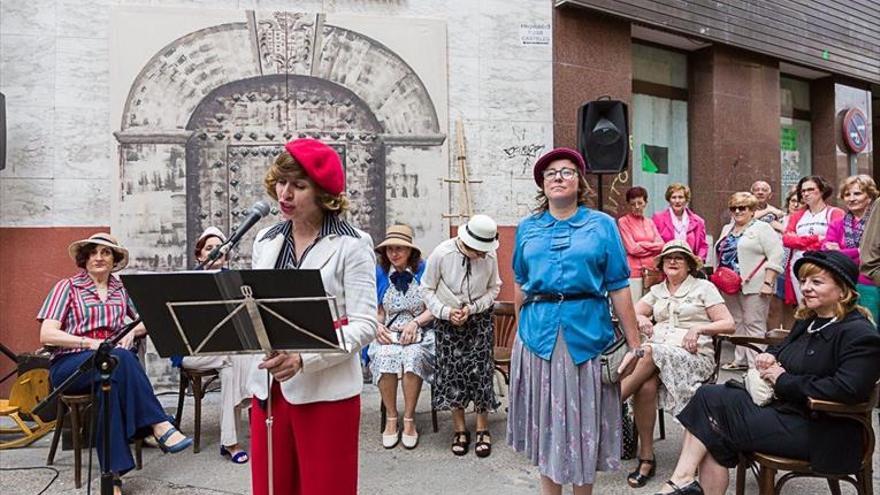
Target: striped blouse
<point>75,303</point>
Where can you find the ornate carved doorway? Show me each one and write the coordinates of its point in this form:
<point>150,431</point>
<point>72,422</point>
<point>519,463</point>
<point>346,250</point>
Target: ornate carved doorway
<point>240,127</point>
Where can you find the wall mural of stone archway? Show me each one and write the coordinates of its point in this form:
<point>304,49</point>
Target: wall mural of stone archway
<point>206,114</point>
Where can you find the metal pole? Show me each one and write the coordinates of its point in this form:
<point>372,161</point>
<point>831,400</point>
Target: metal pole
<point>105,363</point>
<point>269,420</point>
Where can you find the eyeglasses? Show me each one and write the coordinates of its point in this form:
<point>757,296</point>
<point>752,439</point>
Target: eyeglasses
<point>677,259</point>
<point>808,189</point>
<point>565,173</point>
<point>735,209</point>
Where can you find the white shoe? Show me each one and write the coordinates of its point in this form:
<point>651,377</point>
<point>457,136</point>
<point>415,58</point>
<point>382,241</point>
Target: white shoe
<point>409,441</point>
<point>390,441</point>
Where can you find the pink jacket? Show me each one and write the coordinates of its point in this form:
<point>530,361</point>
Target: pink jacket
<point>641,241</point>
<point>835,234</point>
<point>696,233</point>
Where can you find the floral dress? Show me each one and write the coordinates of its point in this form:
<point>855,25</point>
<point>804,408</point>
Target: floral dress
<point>418,358</point>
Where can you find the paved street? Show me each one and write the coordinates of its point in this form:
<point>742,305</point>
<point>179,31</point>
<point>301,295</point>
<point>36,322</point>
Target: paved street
<point>429,469</point>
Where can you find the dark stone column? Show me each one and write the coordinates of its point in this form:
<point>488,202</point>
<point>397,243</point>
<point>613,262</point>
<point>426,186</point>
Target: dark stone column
<point>592,57</point>
<point>733,127</point>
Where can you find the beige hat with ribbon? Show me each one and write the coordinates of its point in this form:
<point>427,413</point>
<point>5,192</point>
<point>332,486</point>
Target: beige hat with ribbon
<point>101,239</point>
<point>398,235</point>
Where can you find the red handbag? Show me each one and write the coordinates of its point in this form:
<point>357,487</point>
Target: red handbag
<point>728,281</point>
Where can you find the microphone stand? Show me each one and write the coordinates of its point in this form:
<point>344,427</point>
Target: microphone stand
<point>103,362</point>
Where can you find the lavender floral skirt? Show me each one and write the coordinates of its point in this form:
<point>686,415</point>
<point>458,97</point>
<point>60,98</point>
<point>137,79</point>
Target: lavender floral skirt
<point>561,415</point>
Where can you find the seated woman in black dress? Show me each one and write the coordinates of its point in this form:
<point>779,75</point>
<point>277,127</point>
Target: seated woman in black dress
<point>832,353</point>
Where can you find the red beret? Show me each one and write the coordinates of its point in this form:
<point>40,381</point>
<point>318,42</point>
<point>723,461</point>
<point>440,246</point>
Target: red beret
<point>557,154</point>
<point>319,162</point>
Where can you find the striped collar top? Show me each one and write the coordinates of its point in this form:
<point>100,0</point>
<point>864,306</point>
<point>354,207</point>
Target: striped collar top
<point>332,225</point>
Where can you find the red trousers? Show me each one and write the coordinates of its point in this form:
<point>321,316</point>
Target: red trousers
<point>315,446</point>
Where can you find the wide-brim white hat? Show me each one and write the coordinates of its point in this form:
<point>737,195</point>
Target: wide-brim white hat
<point>101,239</point>
<point>479,233</point>
<point>212,232</point>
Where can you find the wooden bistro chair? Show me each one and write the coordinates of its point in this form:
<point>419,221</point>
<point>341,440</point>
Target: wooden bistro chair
<point>79,408</point>
<point>198,380</point>
<point>505,333</point>
<point>766,466</point>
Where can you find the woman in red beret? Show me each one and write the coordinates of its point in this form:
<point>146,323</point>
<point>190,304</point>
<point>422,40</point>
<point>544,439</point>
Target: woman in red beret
<point>315,397</point>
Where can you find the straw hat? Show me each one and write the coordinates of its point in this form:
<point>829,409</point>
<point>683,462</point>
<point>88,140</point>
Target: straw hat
<point>399,235</point>
<point>479,233</point>
<point>678,246</point>
<point>212,232</point>
<point>101,239</point>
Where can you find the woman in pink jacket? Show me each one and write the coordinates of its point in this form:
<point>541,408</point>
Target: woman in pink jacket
<point>641,241</point>
<point>680,222</point>
<point>858,192</point>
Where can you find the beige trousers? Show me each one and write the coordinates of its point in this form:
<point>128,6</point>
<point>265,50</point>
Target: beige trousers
<point>749,311</point>
<point>234,373</point>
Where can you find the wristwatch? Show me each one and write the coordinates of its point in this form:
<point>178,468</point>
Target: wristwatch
<point>639,352</point>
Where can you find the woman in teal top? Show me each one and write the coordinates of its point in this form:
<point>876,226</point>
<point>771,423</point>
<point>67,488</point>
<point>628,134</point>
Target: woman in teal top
<point>568,262</point>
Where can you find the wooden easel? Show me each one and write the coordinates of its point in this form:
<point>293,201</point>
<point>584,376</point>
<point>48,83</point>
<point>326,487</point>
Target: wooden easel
<point>466,209</point>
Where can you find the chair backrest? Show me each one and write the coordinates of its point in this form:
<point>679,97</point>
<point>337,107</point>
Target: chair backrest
<point>29,389</point>
<point>505,323</point>
<point>716,348</point>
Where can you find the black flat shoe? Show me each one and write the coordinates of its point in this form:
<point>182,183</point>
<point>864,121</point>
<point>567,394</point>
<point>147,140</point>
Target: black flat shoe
<point>692,488</point>
<point>636,479</point>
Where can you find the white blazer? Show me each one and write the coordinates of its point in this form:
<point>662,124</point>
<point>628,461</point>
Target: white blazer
<point>348,270</point>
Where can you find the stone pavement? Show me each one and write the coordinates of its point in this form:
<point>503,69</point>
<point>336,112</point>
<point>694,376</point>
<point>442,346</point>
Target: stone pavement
<point>429,469</point>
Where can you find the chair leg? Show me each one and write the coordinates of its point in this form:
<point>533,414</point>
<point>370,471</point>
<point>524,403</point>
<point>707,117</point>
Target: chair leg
<point>865,480</point>
<point>661,423</point>
<point>197,419</point>
<point>59,425</point>
<point>766,481</point>
<point>138,454</point>
<point>834,486</point>
<point>433,412</point>
<point>741,476</point>
<point>75,436</point>
<point>181,395</point>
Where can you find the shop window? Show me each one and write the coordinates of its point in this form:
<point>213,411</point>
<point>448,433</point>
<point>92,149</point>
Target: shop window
<point>795,132</point>
<point>659,121</point>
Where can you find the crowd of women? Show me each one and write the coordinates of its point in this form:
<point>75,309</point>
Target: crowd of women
<point>582,280</point>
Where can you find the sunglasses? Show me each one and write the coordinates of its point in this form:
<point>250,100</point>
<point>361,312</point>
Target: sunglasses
<point>738,208</point>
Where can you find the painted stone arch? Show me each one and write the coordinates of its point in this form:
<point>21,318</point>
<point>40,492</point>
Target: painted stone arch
<point>222,99</point>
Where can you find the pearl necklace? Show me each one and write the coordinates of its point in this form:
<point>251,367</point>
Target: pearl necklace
<point>810,329</point>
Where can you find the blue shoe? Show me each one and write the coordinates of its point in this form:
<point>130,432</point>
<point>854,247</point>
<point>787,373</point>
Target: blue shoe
<point>177,447</point>
<point>240,457</point>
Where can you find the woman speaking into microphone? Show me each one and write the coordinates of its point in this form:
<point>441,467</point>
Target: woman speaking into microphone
<point>315,397</point>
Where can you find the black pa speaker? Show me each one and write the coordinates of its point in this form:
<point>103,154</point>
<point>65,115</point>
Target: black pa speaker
<point>603,135</point>
<point>2,131</point>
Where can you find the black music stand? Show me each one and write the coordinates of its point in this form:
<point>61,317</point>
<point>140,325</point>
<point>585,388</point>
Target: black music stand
<point>238,312</point>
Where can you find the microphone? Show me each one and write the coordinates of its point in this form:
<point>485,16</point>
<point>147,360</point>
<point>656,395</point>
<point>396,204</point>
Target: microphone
<point>258,211</point>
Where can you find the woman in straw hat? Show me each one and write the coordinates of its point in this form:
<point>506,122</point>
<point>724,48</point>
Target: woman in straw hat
<point>568,261</point>
<point>404,341</point>
<point>832,353</point>
<point>78,314</point>
<point>679,356</point>
<point>234,369</point>
<point>461,283</point>
<point>315,396</point>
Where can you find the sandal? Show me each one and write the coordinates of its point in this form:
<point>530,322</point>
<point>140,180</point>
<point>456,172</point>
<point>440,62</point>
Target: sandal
<point>409,441</point>
<point>636,479</point>
<point>117,485</point>
<point>240,457</point>
<point>461,441</point>
<point>483,444</point>
<point>390,441</point>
